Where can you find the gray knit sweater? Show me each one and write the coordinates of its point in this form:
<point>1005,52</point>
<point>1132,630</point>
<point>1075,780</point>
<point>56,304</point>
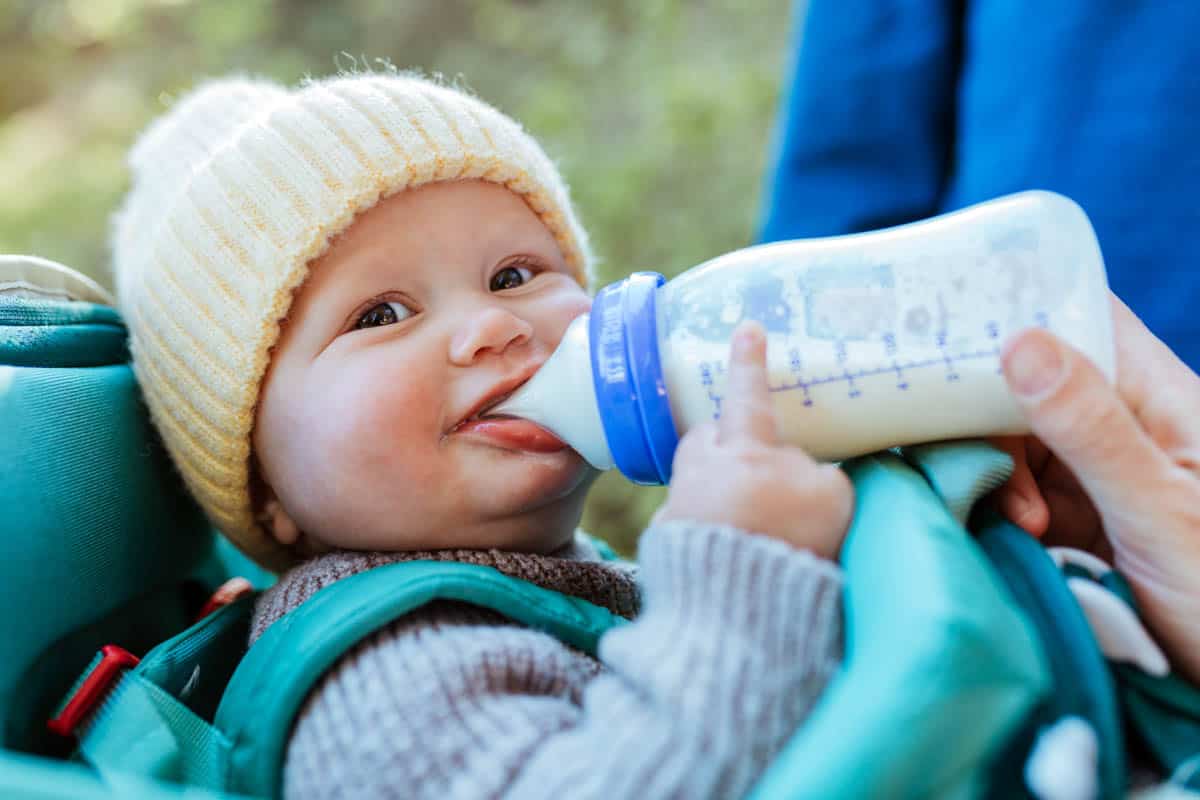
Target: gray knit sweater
<point>736,637</point>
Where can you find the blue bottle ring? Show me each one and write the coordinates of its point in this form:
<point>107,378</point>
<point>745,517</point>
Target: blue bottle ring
<point>631,392</point>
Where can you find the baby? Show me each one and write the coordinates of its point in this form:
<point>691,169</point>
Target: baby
<point>327,288</point>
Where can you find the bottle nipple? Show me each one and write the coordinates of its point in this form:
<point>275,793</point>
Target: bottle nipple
<point>560,397</point>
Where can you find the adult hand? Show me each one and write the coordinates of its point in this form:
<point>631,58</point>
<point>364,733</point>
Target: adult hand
<point>1115,470</point>
<point>736,472</point>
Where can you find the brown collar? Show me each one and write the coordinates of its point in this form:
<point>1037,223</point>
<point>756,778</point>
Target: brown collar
<point>576,570</point>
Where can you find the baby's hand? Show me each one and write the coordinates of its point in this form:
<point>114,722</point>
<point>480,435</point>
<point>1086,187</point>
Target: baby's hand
<point>736,472</point>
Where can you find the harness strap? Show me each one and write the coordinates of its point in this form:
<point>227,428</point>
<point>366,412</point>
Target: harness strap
<point>143,729</point>
<point>961,473</point>
<point>146,727</point>
<point>292,654</point>
<point>152,723</point>
<point>940,665</point>
<point>1083,685</point>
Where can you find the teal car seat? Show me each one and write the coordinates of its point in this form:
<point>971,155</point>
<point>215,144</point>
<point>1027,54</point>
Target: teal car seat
<point>100,543</point>
<point>961,651</point>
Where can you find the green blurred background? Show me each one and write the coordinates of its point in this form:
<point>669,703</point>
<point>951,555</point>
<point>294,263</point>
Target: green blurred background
<point>659,113</point>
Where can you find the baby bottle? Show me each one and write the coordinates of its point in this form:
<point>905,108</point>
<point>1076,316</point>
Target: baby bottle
<point>874,340</point>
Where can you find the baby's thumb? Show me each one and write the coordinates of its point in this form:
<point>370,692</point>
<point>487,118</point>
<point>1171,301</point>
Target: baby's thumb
<point>1082,419</point>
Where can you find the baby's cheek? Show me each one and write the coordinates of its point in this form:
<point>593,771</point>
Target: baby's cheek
<point>574,303</point>
<point>378,424</point>
<point>367,468</point>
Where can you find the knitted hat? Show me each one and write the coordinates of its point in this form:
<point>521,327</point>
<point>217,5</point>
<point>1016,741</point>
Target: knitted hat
<point>235,191</point>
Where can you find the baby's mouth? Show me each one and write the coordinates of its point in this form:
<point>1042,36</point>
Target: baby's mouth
<point>498,394</point>
<point>504,430</point>
<point>512,433</point>
<point>483,412</point>
<point>486,411</point>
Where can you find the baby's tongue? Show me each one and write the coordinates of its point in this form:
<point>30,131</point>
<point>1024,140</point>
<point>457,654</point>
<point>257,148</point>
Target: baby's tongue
<point>516,434</point>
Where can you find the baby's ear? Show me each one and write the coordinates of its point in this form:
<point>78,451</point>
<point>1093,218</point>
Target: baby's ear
<point>278,522</point>
<point>270,513</point>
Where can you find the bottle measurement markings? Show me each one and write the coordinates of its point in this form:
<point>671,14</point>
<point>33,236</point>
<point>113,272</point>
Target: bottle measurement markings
<point>896,367</point>
<point>797,368</point>
<point>710,370</point>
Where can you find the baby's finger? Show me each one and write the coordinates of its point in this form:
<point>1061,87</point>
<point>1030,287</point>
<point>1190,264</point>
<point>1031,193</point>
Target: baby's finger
<point>1020,498</point>
<point>746,407</point>
<point>694,448</point>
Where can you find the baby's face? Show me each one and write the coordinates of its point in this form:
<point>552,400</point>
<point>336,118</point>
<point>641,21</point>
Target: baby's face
<point>432,304</point>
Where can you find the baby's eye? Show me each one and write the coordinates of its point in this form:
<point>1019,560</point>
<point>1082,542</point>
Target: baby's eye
<point>510,278</point>
<point>383,314</point>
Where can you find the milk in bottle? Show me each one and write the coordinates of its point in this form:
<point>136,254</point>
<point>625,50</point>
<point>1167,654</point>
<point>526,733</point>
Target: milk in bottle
<point>873,340</point>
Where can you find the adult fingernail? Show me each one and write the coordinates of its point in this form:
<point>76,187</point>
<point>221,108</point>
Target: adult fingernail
<point>1033,365</point>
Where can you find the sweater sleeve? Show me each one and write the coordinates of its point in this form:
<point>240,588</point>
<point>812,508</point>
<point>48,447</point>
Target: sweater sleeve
<point>737,637</point>
<point>866,130</point>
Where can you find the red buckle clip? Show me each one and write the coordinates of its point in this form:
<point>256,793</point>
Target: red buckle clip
<point>225,594</point>
<point>113,660</point>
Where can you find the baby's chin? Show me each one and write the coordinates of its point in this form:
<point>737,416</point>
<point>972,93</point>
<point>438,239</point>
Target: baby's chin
<point>542,531</point>
<point>496,500</point>
<point>530,501</point>
<point>510,523</point>
<point>527,480</point>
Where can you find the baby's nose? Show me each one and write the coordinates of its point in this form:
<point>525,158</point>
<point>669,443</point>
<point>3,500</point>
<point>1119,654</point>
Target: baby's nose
<point>491,330</point>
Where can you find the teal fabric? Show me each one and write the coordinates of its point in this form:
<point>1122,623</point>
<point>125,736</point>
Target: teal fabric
<point>279,670</point>
<point>960,473</point>
<point>156,720</point>
<point>55,333</point>
<point>940,667</point>
<point>1083,686</point>
<point>197,664</point>
<point>1162,713</point>
<point>26,777</point>
<point>154,725</point>
<point>142,729</point>
<point>95,520</point>
<point>137,626</point>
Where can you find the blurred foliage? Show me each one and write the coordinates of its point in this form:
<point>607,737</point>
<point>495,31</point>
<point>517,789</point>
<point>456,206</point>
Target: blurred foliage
<point>658,111</point>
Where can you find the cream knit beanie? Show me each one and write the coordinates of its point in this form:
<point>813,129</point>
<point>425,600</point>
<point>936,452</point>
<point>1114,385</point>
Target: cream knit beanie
<point>235,191</point>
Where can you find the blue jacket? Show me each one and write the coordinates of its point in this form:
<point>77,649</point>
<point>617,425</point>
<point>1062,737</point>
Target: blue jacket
<point>901,109</point>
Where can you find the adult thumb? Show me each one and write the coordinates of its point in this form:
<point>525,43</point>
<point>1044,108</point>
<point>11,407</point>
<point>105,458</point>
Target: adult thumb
<point>1083,420</point>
